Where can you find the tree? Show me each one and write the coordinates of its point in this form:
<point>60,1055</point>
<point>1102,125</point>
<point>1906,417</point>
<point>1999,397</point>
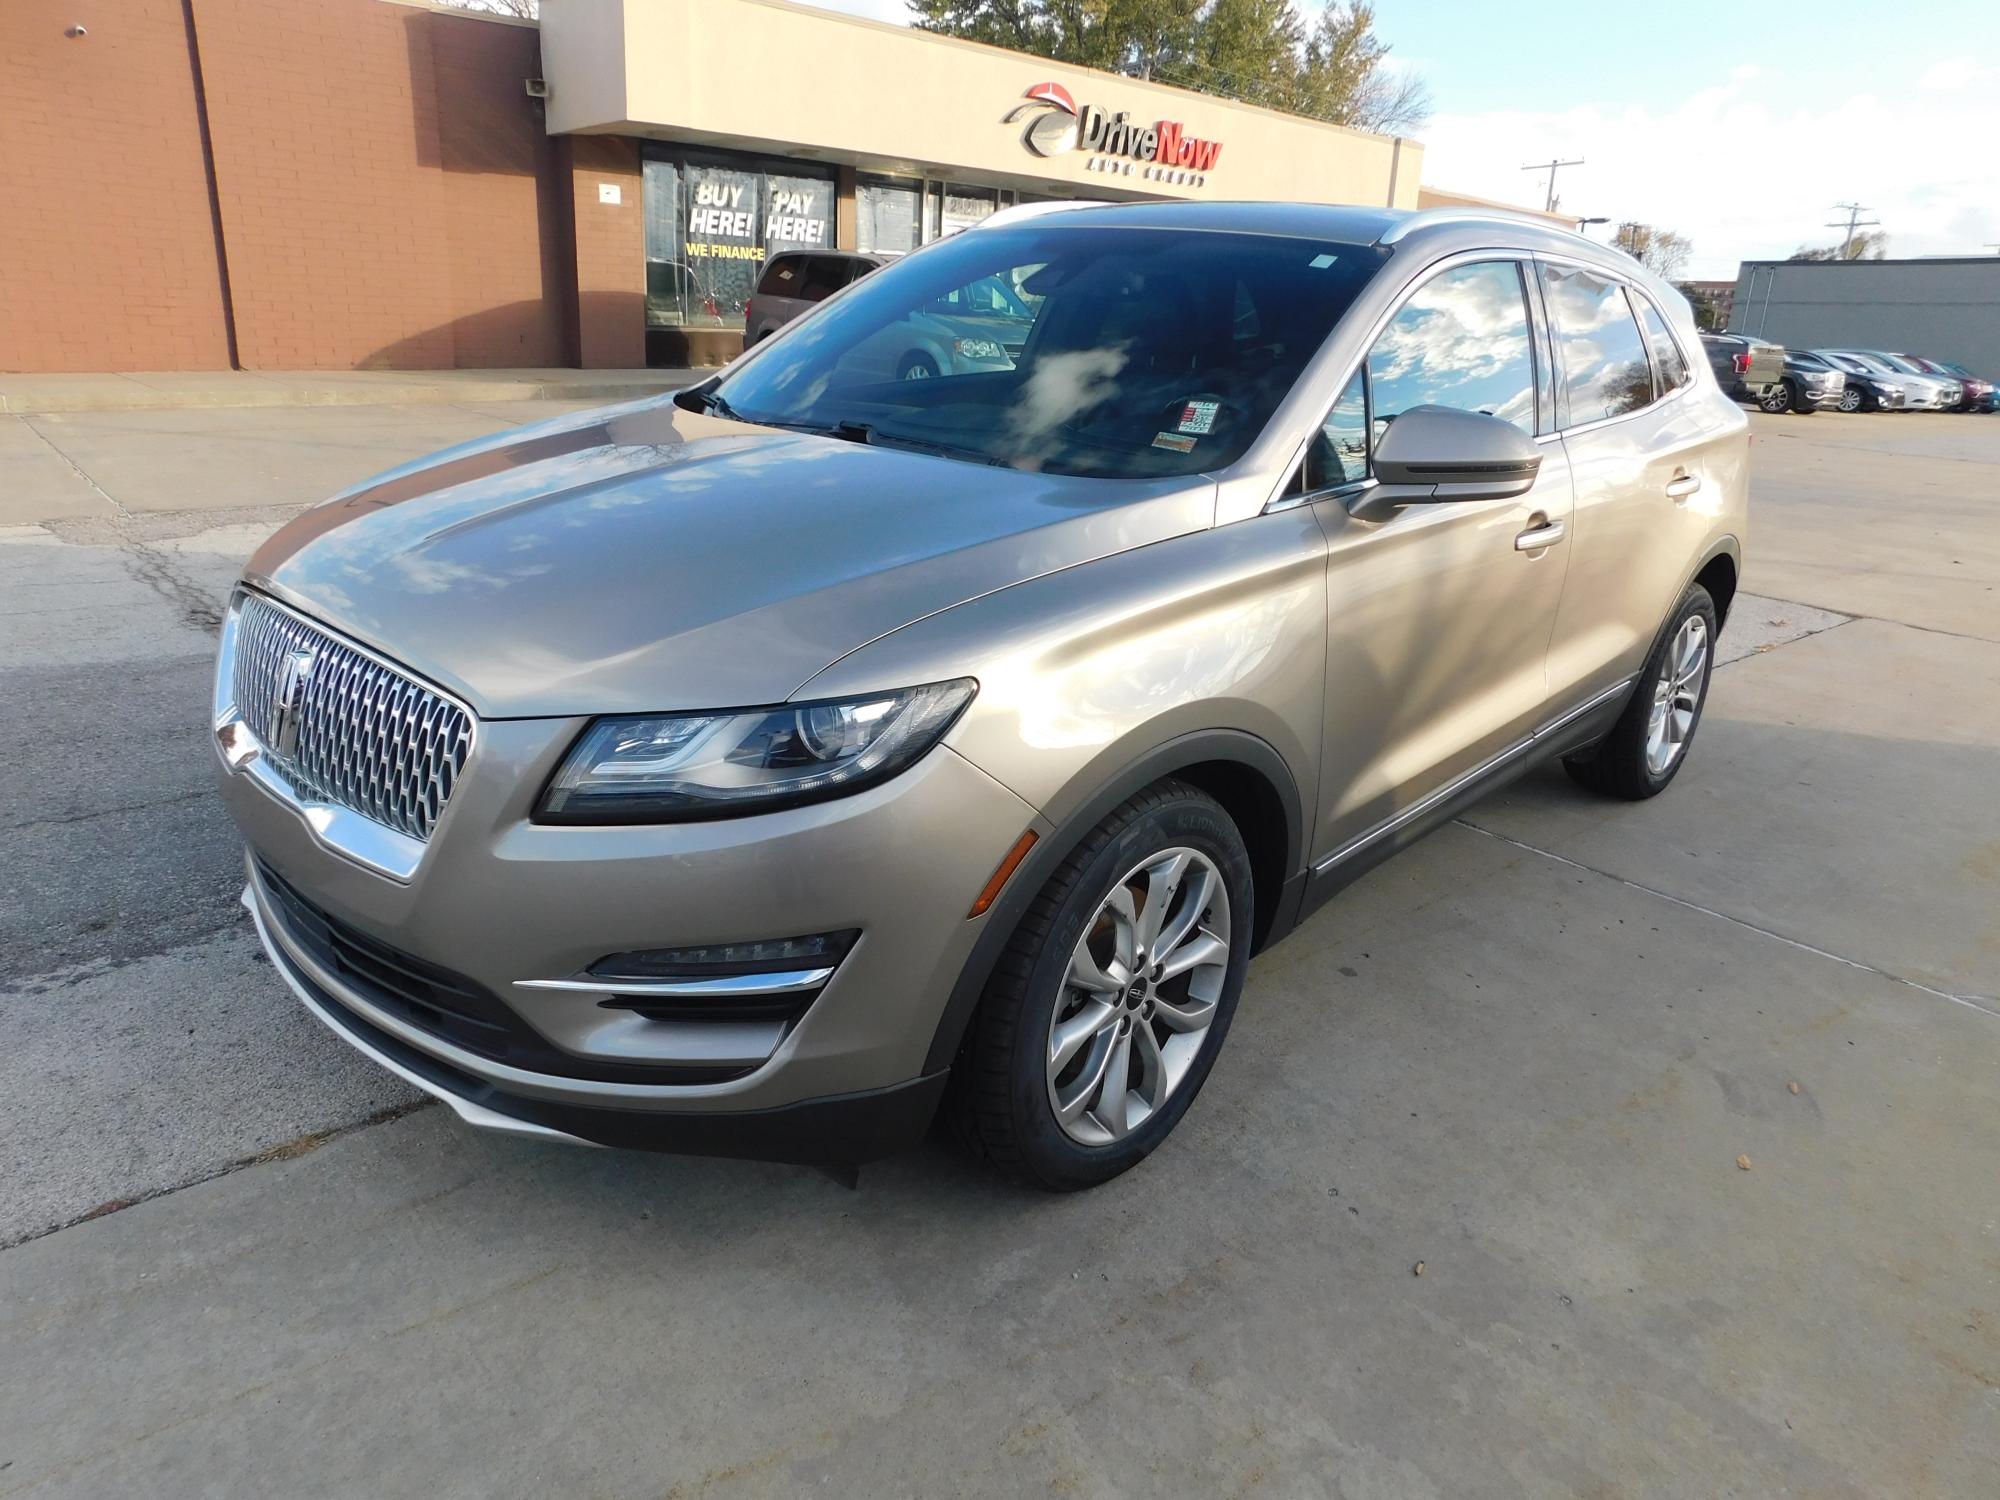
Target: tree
<point>1707,306</point>
<point>1660,251</point>
<point>526,10</point>
<point>1260,51</point>
<point>1867,244</point>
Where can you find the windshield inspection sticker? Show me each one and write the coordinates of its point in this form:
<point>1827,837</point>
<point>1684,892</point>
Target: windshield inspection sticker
<point>1198,416</point>
<point>1174,441</point>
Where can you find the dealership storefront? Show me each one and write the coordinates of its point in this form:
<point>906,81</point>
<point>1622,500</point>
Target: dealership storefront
<point>598,189</point>
<point>760,126</point>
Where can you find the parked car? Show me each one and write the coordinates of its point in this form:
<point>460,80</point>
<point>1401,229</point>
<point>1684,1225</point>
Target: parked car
<point>795,282</point>
<point>758,769</point>
<point>964,330</point>
<point>1921,392</point>
<point>1749,369</point>
<point>1975,394</point>
<point>1869,387</point>
<point>1811,384</point>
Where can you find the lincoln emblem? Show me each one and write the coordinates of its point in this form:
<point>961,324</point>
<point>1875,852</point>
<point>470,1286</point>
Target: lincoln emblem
<point>285,712</point>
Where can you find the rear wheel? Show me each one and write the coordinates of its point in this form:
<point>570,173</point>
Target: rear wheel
<point>1648,745</point>
<point>1775,398</point>
<point>1106,1011</point>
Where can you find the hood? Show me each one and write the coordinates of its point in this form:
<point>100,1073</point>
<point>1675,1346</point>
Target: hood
<point>645,558</point>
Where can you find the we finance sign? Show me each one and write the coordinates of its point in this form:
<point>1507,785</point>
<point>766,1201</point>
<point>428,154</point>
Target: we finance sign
<point>1161,150</point>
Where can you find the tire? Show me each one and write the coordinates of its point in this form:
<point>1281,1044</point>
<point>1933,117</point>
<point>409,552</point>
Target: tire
<point>917,365</point>
<point>1626,762</point>
<point>1853,398</point>
<point>1775,398</point>
<point>1003,1098</point>
<point>1800,405</point>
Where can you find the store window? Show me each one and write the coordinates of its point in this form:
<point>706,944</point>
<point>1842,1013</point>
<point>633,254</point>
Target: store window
<point>888,215</point>
<point>966,206</point>
<point>711,223</point>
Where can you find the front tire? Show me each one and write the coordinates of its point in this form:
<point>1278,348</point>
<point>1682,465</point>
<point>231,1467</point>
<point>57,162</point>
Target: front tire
<point>1800,405</point>
<point>1853,398</point>
<point>917,365</point>
<point>1108,1007</point>
<point>1648,745</point>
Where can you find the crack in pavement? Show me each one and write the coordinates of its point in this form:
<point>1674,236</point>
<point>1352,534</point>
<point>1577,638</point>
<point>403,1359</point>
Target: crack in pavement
<point>284,1151</point>
<point>1986,1004</point>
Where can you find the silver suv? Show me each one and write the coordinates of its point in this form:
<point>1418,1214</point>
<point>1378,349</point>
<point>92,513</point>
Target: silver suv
<point>757,769</point>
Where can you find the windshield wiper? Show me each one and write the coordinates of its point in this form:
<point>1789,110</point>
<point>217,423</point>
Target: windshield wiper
<point>710,403</point>
<point>869,435</point>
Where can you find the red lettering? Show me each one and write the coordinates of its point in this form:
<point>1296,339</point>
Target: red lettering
<point>1169,147</point>
<point>1205,153</point>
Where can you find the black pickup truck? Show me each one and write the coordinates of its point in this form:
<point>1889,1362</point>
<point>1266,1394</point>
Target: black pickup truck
<point>1770,375</point>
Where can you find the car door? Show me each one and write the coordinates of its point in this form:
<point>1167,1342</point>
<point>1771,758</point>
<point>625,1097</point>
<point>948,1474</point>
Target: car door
<point>1645,462</point>
<point>1438,618</point>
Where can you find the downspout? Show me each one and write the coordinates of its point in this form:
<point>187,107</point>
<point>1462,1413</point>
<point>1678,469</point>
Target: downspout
<point>1395,166</point>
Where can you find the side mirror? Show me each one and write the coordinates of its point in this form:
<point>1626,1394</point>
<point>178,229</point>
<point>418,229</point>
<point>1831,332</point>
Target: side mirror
<point>1433,454</point>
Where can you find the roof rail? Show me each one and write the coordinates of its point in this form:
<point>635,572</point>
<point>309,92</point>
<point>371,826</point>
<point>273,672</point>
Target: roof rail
<point>1426,218</point>
<point>1014,213</point>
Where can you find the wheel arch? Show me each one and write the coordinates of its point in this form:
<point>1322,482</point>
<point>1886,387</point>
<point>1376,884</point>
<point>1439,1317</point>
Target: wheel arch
<point>1242,772</point>
<point>1718,574</point>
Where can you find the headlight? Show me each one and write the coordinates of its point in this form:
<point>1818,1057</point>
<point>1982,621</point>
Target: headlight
<point>673,768</point>
<point>978,349</point>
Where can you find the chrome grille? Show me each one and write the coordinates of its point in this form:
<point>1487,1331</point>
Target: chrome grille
<point>367,737</point>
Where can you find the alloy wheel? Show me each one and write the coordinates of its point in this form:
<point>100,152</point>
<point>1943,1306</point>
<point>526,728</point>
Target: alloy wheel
<point>1850,399</point>
<point>1677,696</point>
<point>1141,991</point>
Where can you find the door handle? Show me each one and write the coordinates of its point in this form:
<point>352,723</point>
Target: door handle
<point>1683,485</point>
<point>1537,537</point>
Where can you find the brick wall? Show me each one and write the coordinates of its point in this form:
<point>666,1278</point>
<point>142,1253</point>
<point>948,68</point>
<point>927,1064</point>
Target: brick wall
<point>107,246</point>
<point>609,250</point>
<point>385,185</point>
<point>388,195</point>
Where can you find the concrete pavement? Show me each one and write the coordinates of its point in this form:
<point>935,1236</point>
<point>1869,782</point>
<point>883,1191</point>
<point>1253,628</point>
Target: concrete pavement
<point>1527,1053</point>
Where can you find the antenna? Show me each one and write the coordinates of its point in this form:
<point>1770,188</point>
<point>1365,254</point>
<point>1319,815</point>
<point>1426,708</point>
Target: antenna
<point>1551,167</point>
<point>1854,222</point>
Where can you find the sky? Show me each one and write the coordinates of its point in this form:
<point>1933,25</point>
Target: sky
<point>1737,126</point>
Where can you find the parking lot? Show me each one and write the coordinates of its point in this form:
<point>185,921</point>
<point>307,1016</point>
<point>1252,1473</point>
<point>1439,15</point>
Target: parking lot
<point>1587,1148</point>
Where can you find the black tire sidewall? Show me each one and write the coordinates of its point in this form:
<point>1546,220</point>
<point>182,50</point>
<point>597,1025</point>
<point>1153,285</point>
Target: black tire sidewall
<point>1189,819</point>
<point>1695,601</point>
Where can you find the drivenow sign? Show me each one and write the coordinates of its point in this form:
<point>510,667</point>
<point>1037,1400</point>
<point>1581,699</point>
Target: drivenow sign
<point>1162,151</point>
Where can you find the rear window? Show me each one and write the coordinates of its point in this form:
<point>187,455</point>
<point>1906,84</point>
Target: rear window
<point>1602,355</point>
<point>1667,357</point>
<point>781,277</point>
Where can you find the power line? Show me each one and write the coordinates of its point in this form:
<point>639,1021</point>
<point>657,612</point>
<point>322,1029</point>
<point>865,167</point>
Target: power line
<point>1854,222</point>
<point>1551,167</point>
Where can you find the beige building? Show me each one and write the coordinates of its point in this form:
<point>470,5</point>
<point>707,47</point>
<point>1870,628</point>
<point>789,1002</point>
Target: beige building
<point>765,125</point>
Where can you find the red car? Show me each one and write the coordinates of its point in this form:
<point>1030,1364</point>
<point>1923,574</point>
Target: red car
<point>1979,394</point>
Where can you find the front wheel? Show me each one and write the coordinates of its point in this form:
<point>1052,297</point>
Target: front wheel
<point>1851,399</point>
<point>1648,745</point>
<point>1801,405</point>
<point>1775,398</point>
<point>917,365</point>
<point>1106,1011</point>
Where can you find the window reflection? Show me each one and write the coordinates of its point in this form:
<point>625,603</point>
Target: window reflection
<point>1603,359</point>
<point>1462,340</point>
<point>1667,357</point>
<point>1339,455</point>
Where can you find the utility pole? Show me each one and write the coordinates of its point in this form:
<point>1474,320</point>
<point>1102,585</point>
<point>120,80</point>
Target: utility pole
<point>1551,167</point>
<point>1854,222</point>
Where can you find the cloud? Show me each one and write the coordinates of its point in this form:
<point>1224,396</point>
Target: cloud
<point>1748,167</point>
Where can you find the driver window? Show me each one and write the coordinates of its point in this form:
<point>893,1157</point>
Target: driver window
<point>1462,340</point>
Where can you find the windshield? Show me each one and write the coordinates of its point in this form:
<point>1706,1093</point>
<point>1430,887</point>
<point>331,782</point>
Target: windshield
<point>1115,353</point>
<point>1864,364</point>
<point>1900,364</point>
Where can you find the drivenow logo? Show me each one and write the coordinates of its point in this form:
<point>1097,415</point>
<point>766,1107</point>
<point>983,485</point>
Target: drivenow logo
<point>1162,151</point>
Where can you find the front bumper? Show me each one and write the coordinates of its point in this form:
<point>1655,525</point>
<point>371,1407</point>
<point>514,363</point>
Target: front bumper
<point>508,905</point>
<point>842,1131</point>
